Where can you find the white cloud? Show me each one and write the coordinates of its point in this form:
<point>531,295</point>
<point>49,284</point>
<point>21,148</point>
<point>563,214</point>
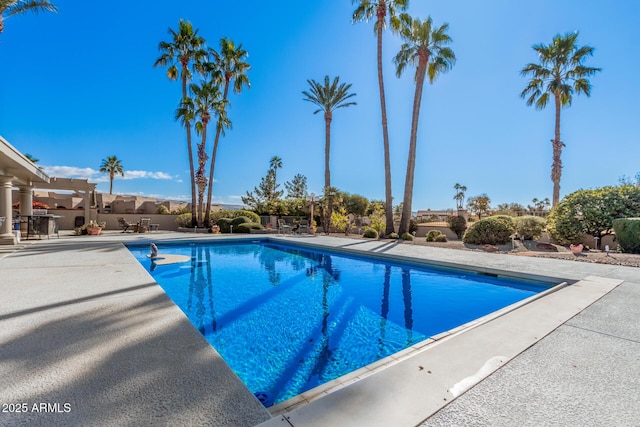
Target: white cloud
<point>97,176</point>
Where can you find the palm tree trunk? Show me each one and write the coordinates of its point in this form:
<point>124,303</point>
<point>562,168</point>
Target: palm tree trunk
<point>385,132</point>
<point>202,181</point>
<point>411,160</point>
<point>111,176</point>
<point>327,173</point>
<point>556,168</point>
<point>207,212</point>
<point>187,125</point>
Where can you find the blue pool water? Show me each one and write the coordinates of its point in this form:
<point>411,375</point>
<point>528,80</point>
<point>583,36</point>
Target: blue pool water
<point>287,319</point>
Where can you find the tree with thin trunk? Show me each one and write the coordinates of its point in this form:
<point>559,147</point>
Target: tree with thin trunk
<point>207,99</point>
<point>366,10</point>
<point>187,50</point>
<point>559,74</point>
<point>275,163</point>
<point>230,65</point>
<point>424,47</point>
<point>16,7</point>
<point>113,167</point>
<point>459,197</point>
<point>328,96</point>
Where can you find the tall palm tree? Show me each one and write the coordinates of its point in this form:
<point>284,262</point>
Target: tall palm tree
<point>15,7</point>
<point>186,49</point>
<point>559,73</point>
<point>459,197</point>
<point>113,167</point>
<point>366,10</point>
<point>328,96</point>
<point>231,65</point>
<point>424,47</point>
<point>205,98</point>
<point>275,163</point>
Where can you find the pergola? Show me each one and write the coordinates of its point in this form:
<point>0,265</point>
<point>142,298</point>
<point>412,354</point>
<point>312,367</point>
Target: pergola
<point>16,171</point>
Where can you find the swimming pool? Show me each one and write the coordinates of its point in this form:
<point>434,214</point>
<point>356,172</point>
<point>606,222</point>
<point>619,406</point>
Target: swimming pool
<point>287,318</point>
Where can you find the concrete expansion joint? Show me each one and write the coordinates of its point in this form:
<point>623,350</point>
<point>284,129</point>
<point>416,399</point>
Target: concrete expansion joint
<point>602,333</point>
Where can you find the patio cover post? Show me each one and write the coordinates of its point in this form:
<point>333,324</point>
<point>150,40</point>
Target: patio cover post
<point>6,235</point>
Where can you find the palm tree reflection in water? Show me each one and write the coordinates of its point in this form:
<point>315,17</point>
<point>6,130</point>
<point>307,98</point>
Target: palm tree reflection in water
<point>200,283</point>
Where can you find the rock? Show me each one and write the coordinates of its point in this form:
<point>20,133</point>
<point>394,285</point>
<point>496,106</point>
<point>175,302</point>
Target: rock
<point>490,248</point>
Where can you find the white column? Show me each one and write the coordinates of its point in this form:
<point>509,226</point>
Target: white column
<point>26,200</point>
<point>6,235</point>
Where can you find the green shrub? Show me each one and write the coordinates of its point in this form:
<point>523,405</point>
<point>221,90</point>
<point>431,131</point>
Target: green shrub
<point>184,220</point>
<point>441,238</point>
<point>592,212</point>
<point>239,220</point>
<point>433,234</point>
<point>494,230</point>
<point>406,236</point>
<point>530,227</point>
<point>224,224</point>
<point>246,227</point>
<point>393,235</point>
<point>216,215</point>
<point>413,225</point>
<point>162,210</point>
<point>457,224</point>
<point>370,233</point>
<point>628,234</point>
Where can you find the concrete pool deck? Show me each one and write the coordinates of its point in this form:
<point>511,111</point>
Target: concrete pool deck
<point>83,324</point>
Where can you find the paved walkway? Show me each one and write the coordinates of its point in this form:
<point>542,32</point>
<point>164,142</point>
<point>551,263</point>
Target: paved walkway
<point>85,331</point>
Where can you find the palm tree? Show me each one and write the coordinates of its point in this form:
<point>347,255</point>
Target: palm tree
<point>113,167</point>
<point>275,163</point>
<point>365,11</point>
<point>559,73</point>
<point>459,197</point>
<point>424,47</point>
<point>231,65</point>
<point>186,49</point>
<point>206,97</point>
<point>328,97</point>
<point>14,7</point>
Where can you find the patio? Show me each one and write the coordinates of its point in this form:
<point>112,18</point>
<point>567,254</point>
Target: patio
<point>84,324</point>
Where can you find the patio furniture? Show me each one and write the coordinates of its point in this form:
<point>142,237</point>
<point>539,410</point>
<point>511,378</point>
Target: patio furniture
<point>143,225</point>
<point>303,227</point>
<point>283,227</point>
<point>124,224</point>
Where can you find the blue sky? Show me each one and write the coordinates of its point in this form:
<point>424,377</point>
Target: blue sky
<point>79,86</point>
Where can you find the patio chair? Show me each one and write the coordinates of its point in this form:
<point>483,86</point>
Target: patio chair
<point>303,227</point>
<point>143,225</point>
<point>283,227</point>
<point>124,224</point>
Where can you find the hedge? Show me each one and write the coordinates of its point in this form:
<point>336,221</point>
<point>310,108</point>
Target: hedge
<point>494,230</point>
<point>628,234</point>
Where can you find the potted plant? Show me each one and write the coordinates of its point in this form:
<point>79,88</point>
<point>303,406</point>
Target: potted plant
<point>92,228</point>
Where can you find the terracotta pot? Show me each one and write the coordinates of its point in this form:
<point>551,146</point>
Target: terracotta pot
<point>94,231</point>
<point>576,249</point>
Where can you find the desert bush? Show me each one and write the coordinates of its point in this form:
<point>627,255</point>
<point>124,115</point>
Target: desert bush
<point>433,235</point>
<point>224,224</point>
<point>494,230</point>
<point>457,224</point>
<point>184,220</point>
<point>239,220</point>
<point>180,211</point>
<point>216,215</point>
<point>441,238</point>
<point>162,210</point>
<point>246,227</point>
<point>530,227</point>
<point>406,236</point>
<point>413,225</point>
<point>628,234</point>
<point>393,235</point>
<point>592,212</point>
<point>370,233</point>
